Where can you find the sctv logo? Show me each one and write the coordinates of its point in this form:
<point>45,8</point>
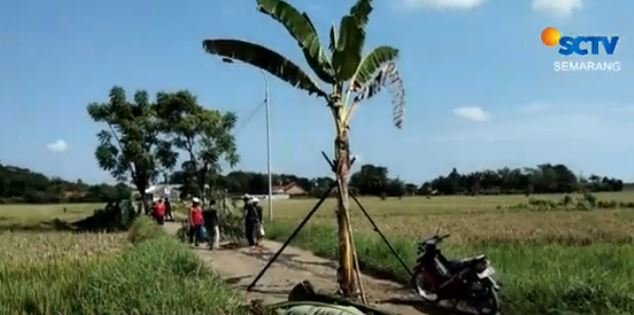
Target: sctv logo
<point>579,45</point>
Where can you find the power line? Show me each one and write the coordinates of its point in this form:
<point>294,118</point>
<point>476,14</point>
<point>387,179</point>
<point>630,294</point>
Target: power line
<point>249,118</point>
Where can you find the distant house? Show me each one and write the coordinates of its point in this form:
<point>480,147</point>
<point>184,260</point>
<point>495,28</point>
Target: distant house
<point>170,191</point>
<point>291,189</point>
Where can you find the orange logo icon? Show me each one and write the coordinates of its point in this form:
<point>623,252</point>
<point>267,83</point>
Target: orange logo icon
<point>550,36</point>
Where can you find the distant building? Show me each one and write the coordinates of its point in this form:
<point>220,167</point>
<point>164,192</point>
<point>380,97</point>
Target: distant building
<point>170,191</point>
<point>291,189</point>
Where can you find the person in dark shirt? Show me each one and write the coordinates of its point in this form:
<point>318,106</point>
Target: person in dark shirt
<point>259,228</point>
<point>210,215</point>
<point>253,221</point>
<point>168,210</point>
<point>250,220</point>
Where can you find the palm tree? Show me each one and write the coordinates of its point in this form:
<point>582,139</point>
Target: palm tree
<point>353,78</point>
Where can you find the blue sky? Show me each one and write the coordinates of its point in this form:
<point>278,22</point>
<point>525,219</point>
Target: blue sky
<point>481,90</point>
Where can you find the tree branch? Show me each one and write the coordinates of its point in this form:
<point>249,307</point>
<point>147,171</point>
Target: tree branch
<point>116,138</point>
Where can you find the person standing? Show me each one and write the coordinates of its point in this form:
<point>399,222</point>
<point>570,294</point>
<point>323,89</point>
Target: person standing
<point>159,212</point>
<point>168,210</point>
<point>259,227</point>
<point>195,222</point>
<point>252,219</point>
<point>210,216</point>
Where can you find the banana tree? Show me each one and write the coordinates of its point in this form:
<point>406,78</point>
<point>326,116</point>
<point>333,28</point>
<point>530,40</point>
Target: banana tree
<point>352,76</point>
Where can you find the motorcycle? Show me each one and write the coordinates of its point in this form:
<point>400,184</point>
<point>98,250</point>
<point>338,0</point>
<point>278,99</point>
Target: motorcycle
<point>470,280</point>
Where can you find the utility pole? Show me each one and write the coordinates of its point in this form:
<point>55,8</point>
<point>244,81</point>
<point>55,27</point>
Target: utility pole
<point>268,144</point>
<point>268,137</point>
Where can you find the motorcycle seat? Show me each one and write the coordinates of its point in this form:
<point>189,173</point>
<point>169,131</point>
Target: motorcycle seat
<point>466,262</point>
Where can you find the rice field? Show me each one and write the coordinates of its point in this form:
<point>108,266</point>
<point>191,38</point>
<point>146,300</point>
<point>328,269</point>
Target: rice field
<point>29,216</point>
<point>140,272</point>
<point>550,262</point>
<point>26,249</point>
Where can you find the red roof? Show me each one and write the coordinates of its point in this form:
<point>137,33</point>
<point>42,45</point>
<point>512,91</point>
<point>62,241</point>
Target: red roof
<point>287,187</point>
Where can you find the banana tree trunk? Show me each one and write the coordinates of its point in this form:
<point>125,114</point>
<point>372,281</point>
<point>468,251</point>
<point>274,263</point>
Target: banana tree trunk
<point>342,156</point>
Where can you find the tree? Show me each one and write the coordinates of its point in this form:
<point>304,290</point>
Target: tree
<point>396,188</point>
<point>353,78</point>
<point>545,178</point>
<point>320,185</point>
<point>23,185</point>
<point>131,145</point>
<point>203,134</point>
<point>371,180</point>
<point>411,189</point>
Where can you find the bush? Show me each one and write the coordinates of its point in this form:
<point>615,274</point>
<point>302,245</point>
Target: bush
<point>590,198</point>
<point>583,205</point>
<point>587,202</point>
<point>144,228</point>
<point>542,204</point>
<point>612,204</point>
<point>567,200</point>
<point>626,204</point>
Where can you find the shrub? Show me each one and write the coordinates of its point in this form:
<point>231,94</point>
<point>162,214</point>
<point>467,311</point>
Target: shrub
<point>567,200</point>
<point>583,205</point>
<point>143,228</point>
<point>612,204</point>
<point>590,198</point>
<point>626,204</point>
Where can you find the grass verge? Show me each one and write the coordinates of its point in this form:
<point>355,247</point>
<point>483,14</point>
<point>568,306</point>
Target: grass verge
<point>595,279</point>
<point>152,274</point>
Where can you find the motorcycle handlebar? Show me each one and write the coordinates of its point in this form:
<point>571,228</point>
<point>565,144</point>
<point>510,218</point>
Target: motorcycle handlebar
<point>436,238</point>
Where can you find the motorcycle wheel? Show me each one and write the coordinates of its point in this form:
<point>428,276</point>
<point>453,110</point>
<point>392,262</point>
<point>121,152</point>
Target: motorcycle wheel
<point>488,303</point>
<point>422,291</point>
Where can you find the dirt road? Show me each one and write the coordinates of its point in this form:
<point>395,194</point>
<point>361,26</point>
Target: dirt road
<point>240,266</point>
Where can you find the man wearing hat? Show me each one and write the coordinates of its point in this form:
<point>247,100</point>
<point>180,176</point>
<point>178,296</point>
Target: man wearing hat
<point>195,222</point>
<point>252,219</point>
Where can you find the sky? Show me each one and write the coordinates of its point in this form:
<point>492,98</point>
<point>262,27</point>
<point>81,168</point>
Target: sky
<point>481,91</point>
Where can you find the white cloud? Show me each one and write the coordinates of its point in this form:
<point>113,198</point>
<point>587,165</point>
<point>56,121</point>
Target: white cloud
<point>444,4</point>
<point>557,7</point>
<point>472,113</point>
<point>58,146</point>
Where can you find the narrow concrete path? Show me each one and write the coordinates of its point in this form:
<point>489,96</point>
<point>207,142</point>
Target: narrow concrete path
<point>239,266</point>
